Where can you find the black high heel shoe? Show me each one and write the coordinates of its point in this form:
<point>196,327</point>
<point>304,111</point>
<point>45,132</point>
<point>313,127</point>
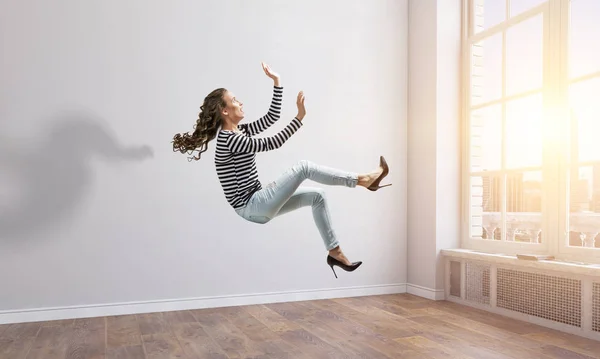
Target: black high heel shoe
<point>375,185</point>
<point>348,268</point>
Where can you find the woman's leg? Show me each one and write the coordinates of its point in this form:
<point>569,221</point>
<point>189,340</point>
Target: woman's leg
<point>278,192</point>
<point>277,197</point>
<point>315,198</point>
<point>271,199</point>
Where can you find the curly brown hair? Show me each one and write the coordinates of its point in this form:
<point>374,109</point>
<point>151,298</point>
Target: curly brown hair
<point>206,128</point>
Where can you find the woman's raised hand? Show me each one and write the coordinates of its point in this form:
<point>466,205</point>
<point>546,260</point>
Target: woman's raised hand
<point>300,104</point>
<point>269,72</point>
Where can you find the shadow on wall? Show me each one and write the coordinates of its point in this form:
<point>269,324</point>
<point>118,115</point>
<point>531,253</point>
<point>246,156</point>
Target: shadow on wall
<point>42,181</point>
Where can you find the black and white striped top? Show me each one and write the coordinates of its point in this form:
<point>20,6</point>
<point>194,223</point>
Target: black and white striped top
<point>235,152</point>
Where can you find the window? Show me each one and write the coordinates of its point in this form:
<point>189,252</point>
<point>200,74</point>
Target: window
<point>532,111</point>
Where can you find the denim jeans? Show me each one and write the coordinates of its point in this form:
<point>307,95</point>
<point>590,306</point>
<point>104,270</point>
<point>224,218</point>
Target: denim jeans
<point>285,194</point>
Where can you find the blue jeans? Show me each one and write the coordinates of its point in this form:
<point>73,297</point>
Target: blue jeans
<point>285,194</point>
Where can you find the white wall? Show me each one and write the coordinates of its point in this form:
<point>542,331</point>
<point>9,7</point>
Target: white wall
<point>448,179</point>
<point>97,209</point>
<point>422,97</point>
<point>433,141</point>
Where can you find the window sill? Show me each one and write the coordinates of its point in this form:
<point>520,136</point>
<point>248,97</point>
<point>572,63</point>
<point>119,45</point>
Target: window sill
<point>551,265</point>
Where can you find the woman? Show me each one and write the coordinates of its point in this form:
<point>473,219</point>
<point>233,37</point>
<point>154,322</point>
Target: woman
<point>235,153</point>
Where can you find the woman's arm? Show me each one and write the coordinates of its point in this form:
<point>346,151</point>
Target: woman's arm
<point>239,143</point>
<point>255,127</point>
<point>272,115</point>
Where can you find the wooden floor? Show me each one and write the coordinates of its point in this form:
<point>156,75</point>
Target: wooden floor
<point>386,326</point>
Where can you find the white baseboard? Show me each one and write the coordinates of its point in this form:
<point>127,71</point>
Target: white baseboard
<point>433,294</point>
<point>101,310</point>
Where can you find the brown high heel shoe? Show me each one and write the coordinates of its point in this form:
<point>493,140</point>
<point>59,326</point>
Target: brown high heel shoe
<point>375,185</point>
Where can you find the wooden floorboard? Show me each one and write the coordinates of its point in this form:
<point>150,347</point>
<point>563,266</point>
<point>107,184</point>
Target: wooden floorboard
<point>373,327</point>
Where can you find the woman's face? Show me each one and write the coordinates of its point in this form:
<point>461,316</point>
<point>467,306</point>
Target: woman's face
<point>233,110</point>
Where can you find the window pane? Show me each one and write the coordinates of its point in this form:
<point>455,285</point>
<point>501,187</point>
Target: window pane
<point>486,139</point>
<point>524,132</point>
<point>524,207</point>
<point>488,13</point>
<point>520,6</point>
<point>584,206</point>
<point>486,70</point>
<point>584,181</point>
<point>524,56</point>
<point>585,120</point>
<point>485,207</point>
<point>584,31</point>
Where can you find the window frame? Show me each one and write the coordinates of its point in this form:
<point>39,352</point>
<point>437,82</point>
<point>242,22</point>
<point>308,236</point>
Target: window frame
<point>563,249</point>
<point>555,161</point>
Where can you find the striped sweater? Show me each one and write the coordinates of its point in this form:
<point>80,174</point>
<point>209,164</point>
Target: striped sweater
<point>235,153</point>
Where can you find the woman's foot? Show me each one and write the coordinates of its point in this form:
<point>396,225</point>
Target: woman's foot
<point>371,180</point>
<point>337,258</point>
<point>365,180</point>
<point>339,255</point>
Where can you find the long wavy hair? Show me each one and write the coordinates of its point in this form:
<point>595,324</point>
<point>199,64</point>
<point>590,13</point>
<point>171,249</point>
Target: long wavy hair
<point>206,128</point>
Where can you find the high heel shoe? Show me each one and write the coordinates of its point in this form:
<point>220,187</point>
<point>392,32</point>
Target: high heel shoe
<point>348,268</point>
<point>375,185</point>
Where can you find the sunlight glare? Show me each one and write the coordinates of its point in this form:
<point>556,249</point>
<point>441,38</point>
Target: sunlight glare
<point>585,121</point>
